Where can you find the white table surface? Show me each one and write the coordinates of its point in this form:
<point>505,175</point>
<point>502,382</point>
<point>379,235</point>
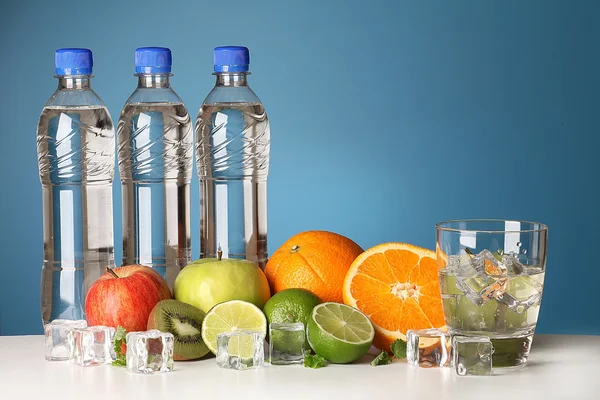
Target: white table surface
<point>559,367</point>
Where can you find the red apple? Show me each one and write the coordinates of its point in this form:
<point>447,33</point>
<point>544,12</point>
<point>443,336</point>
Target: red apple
<point>125,296</point>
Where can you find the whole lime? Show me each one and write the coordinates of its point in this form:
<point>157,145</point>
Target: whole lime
<point>291,305</point>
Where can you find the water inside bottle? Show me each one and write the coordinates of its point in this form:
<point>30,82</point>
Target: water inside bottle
<point>76,165</point>
<point>155,163</point>
<point>233,162</point>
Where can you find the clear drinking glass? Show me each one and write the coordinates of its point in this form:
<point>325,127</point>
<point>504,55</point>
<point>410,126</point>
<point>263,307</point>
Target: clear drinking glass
<point>491,280</point>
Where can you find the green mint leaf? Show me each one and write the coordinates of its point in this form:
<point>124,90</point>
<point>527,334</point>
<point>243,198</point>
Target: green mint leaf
<point>118,342</point>
<point>399,348</point>
<point>314,361</point>
<point>121,333</point>
<point>120,361</point>
<point>382,359</point>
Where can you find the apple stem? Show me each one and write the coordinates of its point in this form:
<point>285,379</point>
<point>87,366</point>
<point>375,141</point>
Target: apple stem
<point>112,272</point>
<point>220,254</point>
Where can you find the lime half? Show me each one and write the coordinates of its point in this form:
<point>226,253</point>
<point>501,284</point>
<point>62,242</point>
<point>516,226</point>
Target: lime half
<point>339,333</point>
<point>231,316</point>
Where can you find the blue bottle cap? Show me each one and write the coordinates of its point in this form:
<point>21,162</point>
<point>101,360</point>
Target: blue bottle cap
<point>231,59</point>
<point>153,60</point>
<point>73,62</point>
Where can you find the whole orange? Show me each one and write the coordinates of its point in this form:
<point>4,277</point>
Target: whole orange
<point>313,260</point>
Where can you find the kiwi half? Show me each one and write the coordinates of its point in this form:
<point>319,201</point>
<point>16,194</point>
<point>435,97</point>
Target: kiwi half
<point>184,321</point>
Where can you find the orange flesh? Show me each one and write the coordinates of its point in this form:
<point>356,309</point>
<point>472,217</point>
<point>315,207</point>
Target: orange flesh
<point>396,285</point>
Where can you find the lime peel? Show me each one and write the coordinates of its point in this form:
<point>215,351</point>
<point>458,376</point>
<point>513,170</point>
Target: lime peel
<point>335,337</point>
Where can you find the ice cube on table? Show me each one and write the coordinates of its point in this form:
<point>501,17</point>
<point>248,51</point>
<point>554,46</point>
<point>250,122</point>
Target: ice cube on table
<point>150,351</point>
<point>428,348</point>
<point>472,355</point>
<point>240,350</point>
<point>59,344</point>
<point>286,343</point>
<point>93,345</point>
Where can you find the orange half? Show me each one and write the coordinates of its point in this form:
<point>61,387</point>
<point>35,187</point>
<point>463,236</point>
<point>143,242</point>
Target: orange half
<point>396,285</point>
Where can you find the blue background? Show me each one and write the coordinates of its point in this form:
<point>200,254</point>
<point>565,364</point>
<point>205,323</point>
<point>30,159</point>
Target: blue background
<point>386,117</point>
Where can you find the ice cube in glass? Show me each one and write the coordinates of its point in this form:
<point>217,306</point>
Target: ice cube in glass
<point>286,343</point>
<point>428,348</point>
<point>59,345</point>
<point>513,264</point>
<point>240,350</point>
<point>486,263</point>
<point>150,351</point>
<point>93,345</point>
<point>472,355</point>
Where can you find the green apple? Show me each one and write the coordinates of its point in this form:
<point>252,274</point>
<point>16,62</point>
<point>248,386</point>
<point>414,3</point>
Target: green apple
<point>210,281</point>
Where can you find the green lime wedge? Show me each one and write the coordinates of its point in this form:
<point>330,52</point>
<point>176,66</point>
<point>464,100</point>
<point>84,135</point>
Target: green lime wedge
<point>523,287</point>
<point>339,333</point>
<point>471,317</point>
<point>231,316</point>
<point>448,284</point>
<point>514,320</point>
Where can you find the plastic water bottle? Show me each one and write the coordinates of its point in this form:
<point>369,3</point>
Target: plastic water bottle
<point>76,150</point>
<point>155,163</point>
<point>232,133</point>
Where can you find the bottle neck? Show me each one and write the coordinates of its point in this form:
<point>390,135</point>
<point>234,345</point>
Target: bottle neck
<point>154,81</point>
<point>232,79</point>
<point>69,82</point>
